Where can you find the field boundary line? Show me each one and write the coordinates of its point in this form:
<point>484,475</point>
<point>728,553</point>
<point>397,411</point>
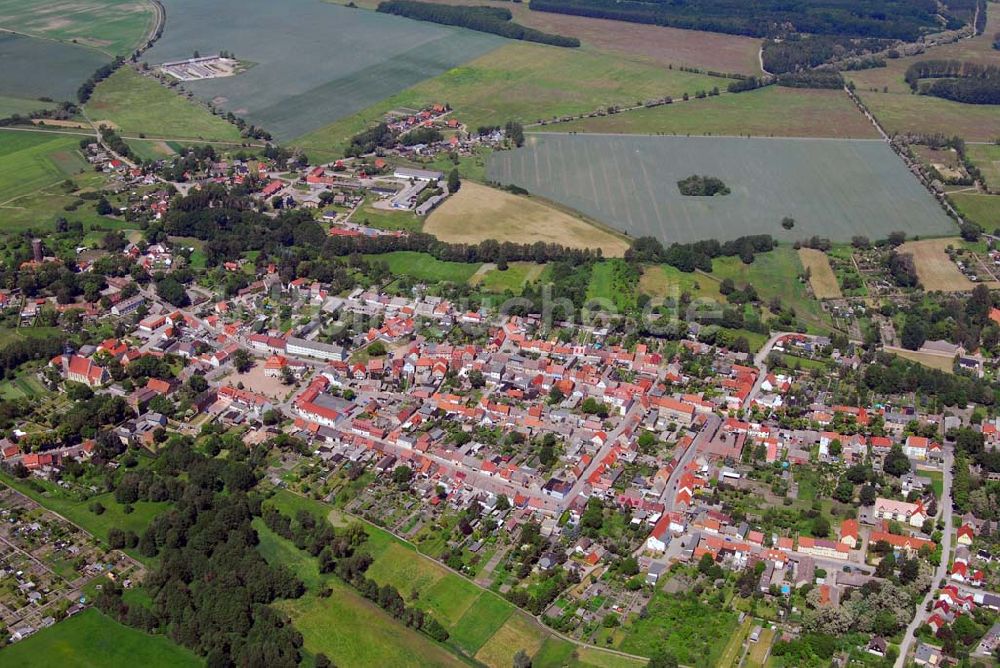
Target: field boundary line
<point>517,608</point>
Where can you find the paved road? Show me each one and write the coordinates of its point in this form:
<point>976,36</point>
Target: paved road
<point>942,569</point>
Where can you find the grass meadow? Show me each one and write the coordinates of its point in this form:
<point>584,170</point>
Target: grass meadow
<point>481,624</point>
<point>832,188</point>
<point>982,209</point>
<point>525,82</point>
<point>987,158</point>
<point>55,499</point>
<point>139,105</point>
<point>424,267</point>
<point>888,96</point>
<point>93,640</point>
<point>766,112</point>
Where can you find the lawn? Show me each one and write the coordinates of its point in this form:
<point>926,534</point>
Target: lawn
<point>757,656</point>
<point>92,640</point>
<point>937,480</point>
<point>835,189</point>
<point>138,104</point>
<point>312,62</point>
<point>111,26</point>
<point>612,285</point>
<point>767,112</point>
<point>684,626</point>
<point>384,219</point>
<point>734,648</point>
<point>424,267</point>
<point>34,67</point>
<point>478,212</point>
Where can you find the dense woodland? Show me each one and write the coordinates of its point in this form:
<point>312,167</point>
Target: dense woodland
<point>956,80</point>
<point>688,257</point>
<point>493,20</point>
<point>897,19</point>
<point>796,52</point>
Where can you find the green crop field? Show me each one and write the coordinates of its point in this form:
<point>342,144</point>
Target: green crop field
<point>766,112</point>
<point>313,62</point>
<point>92,640</point>
<point>112,26</point>
<point>140,105</point>
<point>527,82</point>
<point>833,188</point>
<point>423,267</point>
<point>20,105</point>
<point>30,161</point>
<point>34,68</point>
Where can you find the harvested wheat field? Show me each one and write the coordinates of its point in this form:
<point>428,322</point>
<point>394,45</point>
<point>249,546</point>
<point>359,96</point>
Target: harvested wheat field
<point>935,269</point>
<point>476,213</point>
<point>821,277</point>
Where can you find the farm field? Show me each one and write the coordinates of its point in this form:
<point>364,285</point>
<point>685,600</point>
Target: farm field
<point>934,268</point>
<point>478,212</point>
<point>527,82</point>
<point>20,105</point>
<point>313,62</point>
<point>822,279</point>
<point>34,160</point>
<point>139,105</point>
<point>93,640</point>
<point>665,46</point>
<point>115,27</point>
<point>833,188</point>
<point>766,112</point>
<point>982,209</point>
<point>987,158</point>
<point>34,68</point>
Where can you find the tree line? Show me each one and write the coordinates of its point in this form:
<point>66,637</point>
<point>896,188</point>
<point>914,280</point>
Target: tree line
<point>492,20</point>
<point>956,80</point>
<point>103,72</point>
<point>698,255</point>
<point>795,52</point>
<point>896,19</point>
<point>338,551</point>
